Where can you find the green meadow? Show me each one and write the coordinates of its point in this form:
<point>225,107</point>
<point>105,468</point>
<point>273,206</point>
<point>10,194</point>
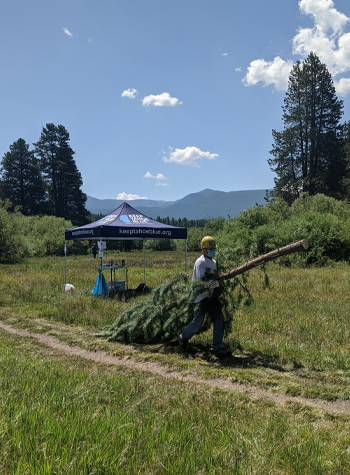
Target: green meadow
<point>63,414</point>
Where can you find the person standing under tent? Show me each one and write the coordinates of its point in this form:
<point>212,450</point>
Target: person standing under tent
<point>207,302</point>
<point>94,250</point>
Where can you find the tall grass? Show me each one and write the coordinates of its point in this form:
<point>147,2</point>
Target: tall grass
<point>66,416</point>
<point>63,415</point>
<point>35,286</point>
<point>301,319</point>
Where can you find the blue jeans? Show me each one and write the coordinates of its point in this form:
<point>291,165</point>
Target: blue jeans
<point>213,308</point>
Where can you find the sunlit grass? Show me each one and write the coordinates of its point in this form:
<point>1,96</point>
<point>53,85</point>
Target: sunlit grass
<point>294,338</point>
<point>36,285</point>
<point>64,415</point>
<point>67,416</point>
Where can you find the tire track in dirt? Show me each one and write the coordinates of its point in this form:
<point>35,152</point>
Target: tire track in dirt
<point>339,406</point>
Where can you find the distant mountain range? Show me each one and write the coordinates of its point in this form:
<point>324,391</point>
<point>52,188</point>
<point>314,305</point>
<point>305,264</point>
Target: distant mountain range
<point>204,204</point>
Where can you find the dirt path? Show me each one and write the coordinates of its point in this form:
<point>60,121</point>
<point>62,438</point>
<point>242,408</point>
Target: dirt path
<point>155,368</point>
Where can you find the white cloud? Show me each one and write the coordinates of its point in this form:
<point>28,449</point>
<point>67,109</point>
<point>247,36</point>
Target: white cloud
<point>130,93</point>
<point>342,86</point>
<point>224,54</point>
<point>326,38</point>
<point>326,17</point>
<point>129,197</point>
<point>161,100</point>
<point>67,32</point>
<point>274,72</point>
<point>188,156</point>
<point>159,176</point>
<point>238,70</point>
<point>161,184</point>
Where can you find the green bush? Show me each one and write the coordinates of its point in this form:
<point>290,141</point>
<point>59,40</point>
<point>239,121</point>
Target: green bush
<point>160,245</point>
<point>194,238</point>
<point>33,236</point>
<point>11,240</point>
<point>324,221</point>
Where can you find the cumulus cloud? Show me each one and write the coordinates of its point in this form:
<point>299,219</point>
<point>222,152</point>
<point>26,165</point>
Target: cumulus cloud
<point>130,93</point>
<point>342,86</point>
<point>159,176</point>
<point>224,54</point>
<point>274,72</point>
<point>326,17</point>
<point>188,156</point>
<point>129,197</point>
<point>326,38</point>
<point>160,100</point>
<point>67,32</point>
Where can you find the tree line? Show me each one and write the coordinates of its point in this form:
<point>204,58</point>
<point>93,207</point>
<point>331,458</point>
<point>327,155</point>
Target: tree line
<point>44,180</point>
<point>183,222</point>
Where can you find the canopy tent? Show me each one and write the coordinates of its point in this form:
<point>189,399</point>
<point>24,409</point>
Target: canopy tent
<point>125,223</point>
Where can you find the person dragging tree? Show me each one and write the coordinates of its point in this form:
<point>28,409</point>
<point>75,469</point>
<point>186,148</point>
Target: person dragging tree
<point>207,302</point>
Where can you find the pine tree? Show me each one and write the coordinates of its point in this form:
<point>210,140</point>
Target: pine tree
<point>21,181</point>
<point>308,153</point>
<point>63,180</point>
<point>71,197</point>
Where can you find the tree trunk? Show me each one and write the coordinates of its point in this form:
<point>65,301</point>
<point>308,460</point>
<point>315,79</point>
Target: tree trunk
<point>270,256</point>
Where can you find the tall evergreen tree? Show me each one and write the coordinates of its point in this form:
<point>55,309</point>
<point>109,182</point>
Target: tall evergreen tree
<point>308,154</point>
<point>21,181</point>
<point>63,179</point>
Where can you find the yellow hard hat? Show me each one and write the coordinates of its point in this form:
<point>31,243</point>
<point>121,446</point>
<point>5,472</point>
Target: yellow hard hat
<point>208,243</point>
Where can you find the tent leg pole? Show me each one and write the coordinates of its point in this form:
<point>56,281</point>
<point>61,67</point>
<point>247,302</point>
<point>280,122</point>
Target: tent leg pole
<point>100,254</point>
<point>144,262</point>
<point>65,264</point>
<point>186,256</point>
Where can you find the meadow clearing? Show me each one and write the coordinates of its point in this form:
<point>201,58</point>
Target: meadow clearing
<point>65,414</point>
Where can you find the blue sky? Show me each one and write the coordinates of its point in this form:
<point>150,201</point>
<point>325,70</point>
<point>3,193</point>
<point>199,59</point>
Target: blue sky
<point>163,98</point>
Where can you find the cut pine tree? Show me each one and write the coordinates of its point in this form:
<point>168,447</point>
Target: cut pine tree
<point>170,306</point>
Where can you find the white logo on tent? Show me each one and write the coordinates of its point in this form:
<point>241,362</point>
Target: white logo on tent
<point>138,219</point>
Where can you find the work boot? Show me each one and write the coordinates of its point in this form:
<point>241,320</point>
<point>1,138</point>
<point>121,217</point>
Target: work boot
<point>222,352</point>
<point>182,343</point>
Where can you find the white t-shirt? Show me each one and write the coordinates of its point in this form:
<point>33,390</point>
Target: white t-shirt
<point>201,265</point>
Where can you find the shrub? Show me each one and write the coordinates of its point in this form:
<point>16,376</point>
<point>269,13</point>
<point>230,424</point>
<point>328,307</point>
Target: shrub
<point>324,221</point>
<point>11,241</point>
<point>160,244</point>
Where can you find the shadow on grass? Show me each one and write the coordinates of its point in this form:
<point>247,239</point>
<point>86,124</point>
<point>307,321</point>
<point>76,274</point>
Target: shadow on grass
<point>246,360</point>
